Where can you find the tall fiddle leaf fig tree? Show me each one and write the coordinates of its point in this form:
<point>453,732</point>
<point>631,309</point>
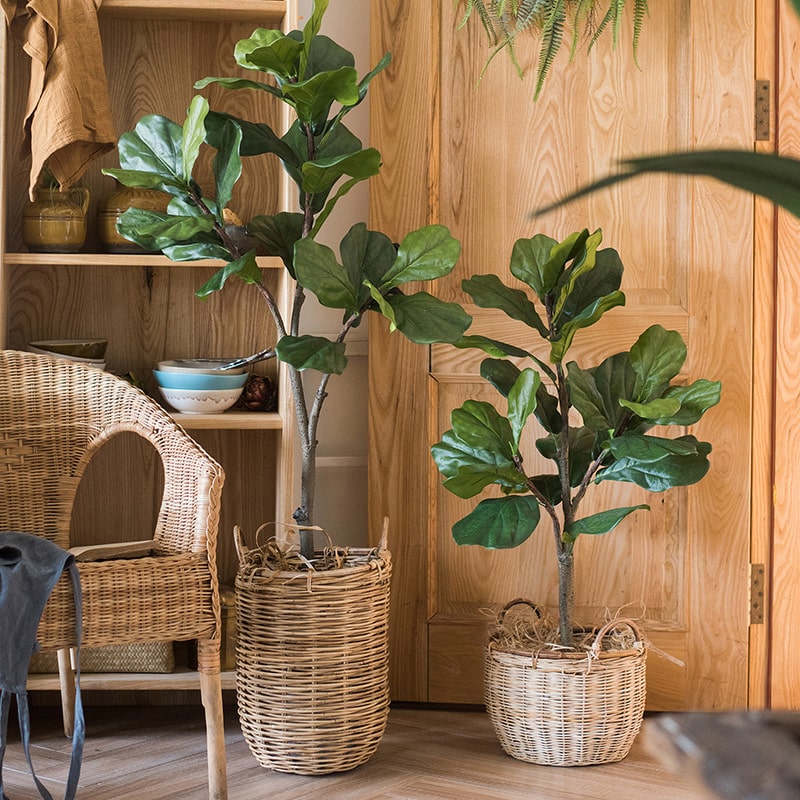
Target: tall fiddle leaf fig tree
<point>317,80</point>
<point>593,420</point>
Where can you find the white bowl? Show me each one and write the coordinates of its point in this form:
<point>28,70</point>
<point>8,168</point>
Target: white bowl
<point>200,401</point>
<point>205,366</point>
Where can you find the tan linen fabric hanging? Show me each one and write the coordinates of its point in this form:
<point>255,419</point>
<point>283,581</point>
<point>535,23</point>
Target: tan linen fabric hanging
<point>68,115</point>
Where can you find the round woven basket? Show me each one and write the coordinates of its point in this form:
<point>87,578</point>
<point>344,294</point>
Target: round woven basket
<point>312,668</point>
<point>567,708</point>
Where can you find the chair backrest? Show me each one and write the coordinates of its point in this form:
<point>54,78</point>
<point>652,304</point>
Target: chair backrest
<point>55,414</point>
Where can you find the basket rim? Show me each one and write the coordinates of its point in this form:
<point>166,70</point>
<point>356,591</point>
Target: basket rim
<point>570,655</point>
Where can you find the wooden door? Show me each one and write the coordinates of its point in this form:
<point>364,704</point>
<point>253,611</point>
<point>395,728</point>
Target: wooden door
<point>479,160</point>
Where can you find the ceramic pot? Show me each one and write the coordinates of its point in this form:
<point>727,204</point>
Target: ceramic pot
<point>55,221</point>
<point>110,210</point>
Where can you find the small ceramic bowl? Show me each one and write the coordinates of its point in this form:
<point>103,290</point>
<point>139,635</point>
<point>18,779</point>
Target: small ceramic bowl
<point>208,366</point>
<point>200,401</point>
<point>77,349</point>
<point>188,379</point>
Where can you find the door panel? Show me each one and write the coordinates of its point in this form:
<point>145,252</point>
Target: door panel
<point>492,155</point>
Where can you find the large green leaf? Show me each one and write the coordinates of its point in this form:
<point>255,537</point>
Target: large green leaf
<point>194,251</point>
<point>425,319</point>
<point>317,269</point>
<point>584,262</point>
<point>605,279</point>
<point>666,472</point>
<point>269,50</point>
<point>238,83</point>
<point>775,177</point>
<point>244,267</point>
<point>488,291</point>
<point>586,398</point>
<point>660,408</point>
<point>522,401</point>
<point>502,522</point>
<point>227,166</point>
<point>602,522</point>
<point>278,233</point>
<point>656,358</point>
<point>366,255</point>
<point>318,176</point>
<point>154,230</point>
<point>313,98</point>
<point>480,424</point>
<point>453,455</point>
<point>500,373</point>
<point>153,147</point>
<point>531,263</point>
<point>194,133</point>
<point>491,346</point>
<point>587,317</point>
<point>313,352</point>
<point>694,400</point>
<point>257,138</point>
<point>652,448</point>
<point>424,254</point>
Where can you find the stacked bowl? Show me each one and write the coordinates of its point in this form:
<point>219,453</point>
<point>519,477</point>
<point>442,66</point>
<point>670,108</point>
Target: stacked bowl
<point>200,386</point>
<point>83,351</point>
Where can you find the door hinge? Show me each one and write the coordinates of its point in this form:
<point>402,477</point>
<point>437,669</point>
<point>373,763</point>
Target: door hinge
<point>757,584</point>
<point>762,111</point>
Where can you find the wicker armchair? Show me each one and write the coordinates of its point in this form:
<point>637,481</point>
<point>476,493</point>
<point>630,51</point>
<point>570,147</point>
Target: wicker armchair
<point>54,415</point>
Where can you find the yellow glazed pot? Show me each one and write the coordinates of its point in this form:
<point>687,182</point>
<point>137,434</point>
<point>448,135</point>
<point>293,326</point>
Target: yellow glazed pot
<point>110,210</point>
<point>55,221</point>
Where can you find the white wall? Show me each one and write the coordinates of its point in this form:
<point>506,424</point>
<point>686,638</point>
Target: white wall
<point>341,501</point>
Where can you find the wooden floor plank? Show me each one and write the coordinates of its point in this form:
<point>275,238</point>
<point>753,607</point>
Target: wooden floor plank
<point>158,753</point>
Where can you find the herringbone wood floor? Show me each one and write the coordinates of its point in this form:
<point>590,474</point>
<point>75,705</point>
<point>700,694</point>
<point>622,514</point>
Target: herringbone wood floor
<point>158,753</point>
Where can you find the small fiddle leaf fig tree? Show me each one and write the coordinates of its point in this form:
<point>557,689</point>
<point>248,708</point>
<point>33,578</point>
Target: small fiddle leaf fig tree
<point>316,79</point>
<point>594,420</point>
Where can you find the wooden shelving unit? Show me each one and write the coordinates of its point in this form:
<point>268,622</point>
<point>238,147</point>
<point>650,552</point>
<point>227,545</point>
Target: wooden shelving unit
<point>145,304</point>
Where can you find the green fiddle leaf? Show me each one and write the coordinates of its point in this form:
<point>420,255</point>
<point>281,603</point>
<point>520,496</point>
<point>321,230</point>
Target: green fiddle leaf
<point>453,455</point>
<point>424,254</point>
<point>656,358</point>
<point>499,523</point>
<point>605,279</point>
<point>154,147</point>
<point>320,175</point>
<point>238,83</point>
<point>194,133</point>
<point>652,448</point>
<point>366,255</point>
<point>581,451</point>
<point>313,98</point>
<point>312,352</point>
<point>586,318</point>
<point>603,522</point>
<point>137,178</point>
<point>382,304</point>
<point>586,398</point>
<point>326,55</point>
<point>532,264</point>
<point>278,233</point>
<point>271,51</point>
<point>480,425</point>
<point>584,262</point>
<point>694,401</point>
<point>522,399</point>
<point>500,373</point>
<point>491,346</point>
<point>194,251</point>
<point>257,138</point>
<point>244,267</point>
<point>614,379</point>
<point>318,270</point>
<point>154,230</point>
<point>227,166</point>
<point>425,319</point>
<point>311,32</point>
<point>488,291</point>
<point>660,408</point>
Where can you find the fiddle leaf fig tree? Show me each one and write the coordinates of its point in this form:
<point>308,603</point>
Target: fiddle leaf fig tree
<point>317,80</point>
<point>593,421</point>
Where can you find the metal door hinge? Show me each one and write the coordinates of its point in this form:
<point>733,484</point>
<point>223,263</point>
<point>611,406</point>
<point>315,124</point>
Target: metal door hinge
<point>757,585</point>
<point>762,111</point>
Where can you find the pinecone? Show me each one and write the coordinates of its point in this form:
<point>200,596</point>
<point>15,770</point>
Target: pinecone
<point>259,394</point>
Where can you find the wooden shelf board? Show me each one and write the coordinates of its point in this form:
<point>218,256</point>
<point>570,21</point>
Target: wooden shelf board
<point>182,678</point>
<point>120,260</point>
<point>230,420</point>
<point>258,11</point>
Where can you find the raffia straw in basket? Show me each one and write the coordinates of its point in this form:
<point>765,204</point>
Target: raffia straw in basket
<point>565,708</point>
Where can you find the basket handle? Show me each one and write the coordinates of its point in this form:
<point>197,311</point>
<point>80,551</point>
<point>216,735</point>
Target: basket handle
<point>613,625</point>
<point>519,601</point>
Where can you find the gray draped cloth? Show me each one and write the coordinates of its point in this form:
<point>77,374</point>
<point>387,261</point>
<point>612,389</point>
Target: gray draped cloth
<point>30,567</point>
<point>68,114</point>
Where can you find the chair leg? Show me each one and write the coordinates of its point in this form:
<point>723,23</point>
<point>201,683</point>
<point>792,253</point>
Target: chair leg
<point>211,695</point>
<point>66,680</point>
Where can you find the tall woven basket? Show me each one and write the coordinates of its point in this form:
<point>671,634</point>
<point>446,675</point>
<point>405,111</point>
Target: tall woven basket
<point>312,666</point>
<point>567,708</point>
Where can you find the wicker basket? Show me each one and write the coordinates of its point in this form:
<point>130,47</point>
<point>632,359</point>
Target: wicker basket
<point>312,663</point>
<point>567,708</point>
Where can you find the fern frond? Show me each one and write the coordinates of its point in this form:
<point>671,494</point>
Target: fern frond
<point>640,11</point>
<point>552,36</point>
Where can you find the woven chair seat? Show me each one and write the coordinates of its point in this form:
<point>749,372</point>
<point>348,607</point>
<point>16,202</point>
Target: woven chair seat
<point>54,416</point>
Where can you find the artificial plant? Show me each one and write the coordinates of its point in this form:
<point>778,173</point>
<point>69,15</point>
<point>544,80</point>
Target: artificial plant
<point>316,79</point>
<point>593,419</point>
<point>505,20</point>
